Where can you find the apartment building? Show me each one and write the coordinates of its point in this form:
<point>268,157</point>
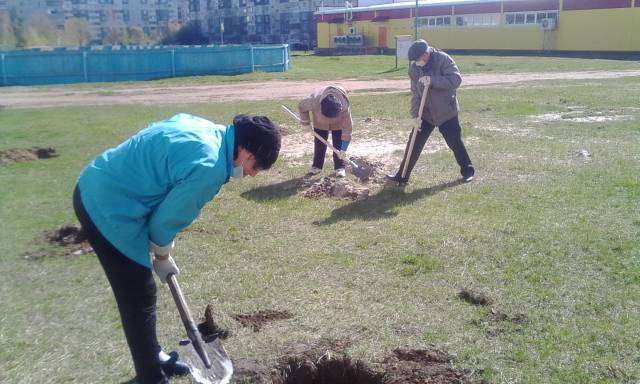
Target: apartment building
<point>226,21</point>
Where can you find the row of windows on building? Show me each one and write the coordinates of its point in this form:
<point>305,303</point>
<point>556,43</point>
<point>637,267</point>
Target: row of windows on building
<point>488,19</point>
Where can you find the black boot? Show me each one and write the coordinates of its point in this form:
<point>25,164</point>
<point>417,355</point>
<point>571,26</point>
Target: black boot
<point>174,367</point>
<point>467,173</point>
<point>395,181</point>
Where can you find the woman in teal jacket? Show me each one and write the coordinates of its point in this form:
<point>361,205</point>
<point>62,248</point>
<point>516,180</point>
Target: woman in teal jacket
<point>132,200</point>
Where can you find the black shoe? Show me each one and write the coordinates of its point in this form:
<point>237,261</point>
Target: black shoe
<point>467,173</point>
<point>395,181</point>
<point>174,367</point>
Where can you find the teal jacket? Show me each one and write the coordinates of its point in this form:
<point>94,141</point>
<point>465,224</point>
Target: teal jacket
<point>154,184</point>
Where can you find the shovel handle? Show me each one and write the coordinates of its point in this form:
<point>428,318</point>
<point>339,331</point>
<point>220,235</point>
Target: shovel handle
<point>414,132</point>
<point>187,320</point>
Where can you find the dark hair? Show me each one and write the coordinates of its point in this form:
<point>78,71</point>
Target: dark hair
<point>258,135</point>
<point>330,106</point>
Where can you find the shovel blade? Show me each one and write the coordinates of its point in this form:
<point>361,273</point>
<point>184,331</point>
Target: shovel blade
<point>360,170</point>
<point>221,366</point>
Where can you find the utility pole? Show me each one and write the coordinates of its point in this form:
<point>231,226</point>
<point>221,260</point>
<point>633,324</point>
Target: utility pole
<point>415,23</point>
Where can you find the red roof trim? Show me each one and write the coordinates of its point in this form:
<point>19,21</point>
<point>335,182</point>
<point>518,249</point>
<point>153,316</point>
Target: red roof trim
<point>467,9</point>
<point>531,5</point>
<point>441,10</point>
<point>574,5</point>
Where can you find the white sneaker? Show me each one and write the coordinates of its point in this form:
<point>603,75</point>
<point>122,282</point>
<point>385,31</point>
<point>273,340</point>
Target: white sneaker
<point>340,172</point>
<point>314,171</point>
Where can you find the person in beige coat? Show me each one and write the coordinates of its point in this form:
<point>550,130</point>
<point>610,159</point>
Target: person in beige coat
<point>436,71</point>
<point>328,109</point>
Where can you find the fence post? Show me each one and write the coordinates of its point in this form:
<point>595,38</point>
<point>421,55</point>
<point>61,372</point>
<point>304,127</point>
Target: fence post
<point>4,70</point>
<point>173,63</point>
<point>253,63</point>
<point>84,66</point>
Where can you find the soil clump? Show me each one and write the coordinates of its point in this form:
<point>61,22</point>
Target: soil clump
<point>209,329</point>
<point>475,297</point>
<point>18,155</point>
<point>330,186</point>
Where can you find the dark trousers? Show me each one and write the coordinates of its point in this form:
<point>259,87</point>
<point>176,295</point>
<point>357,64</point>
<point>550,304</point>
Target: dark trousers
<point>135,292</point>
<point>452,134</point>
<point>319,148</point>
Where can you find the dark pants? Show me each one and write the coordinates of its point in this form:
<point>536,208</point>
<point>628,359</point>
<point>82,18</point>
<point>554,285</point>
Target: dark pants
<point>452,134</point>
<point>319,148</point>
<point>135,292</point>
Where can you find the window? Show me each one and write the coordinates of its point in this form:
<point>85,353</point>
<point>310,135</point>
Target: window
<point>260,2</point>
<point>242,3</point>
<point>225,4</point>
<point>529,17</point>
<point>435,21</point>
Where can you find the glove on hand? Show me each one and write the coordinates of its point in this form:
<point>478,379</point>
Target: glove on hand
<point>417,123</point>
<point>165,267</point>
<point>425,80</point>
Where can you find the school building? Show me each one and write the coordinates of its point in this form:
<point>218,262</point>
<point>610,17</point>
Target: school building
<point>538,26</point>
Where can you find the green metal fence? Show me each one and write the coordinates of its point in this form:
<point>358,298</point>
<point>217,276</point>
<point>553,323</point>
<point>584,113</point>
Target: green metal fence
<point>68,65</point>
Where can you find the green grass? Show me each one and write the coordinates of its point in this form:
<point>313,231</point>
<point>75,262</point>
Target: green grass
<point>548,234</point>
<point>311,67</point>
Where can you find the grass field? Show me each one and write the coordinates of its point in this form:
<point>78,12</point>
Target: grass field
<point>549,229</point>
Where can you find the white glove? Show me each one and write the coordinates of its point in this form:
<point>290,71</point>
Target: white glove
<point>425,80</point>
<point>165,267</point>
<point>417,123</point>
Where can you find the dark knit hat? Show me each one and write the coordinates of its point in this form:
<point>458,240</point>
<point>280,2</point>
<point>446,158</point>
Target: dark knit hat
<point>417,49</point>
<point>330,106</point>
<point>260,136</point>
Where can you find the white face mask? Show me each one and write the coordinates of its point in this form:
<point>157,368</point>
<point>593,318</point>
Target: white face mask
<point>421,63</point>
<point>238,172</point>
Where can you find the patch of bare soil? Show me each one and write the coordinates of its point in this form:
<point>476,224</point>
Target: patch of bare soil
<point>475,296</point>
<point>69,240</point>
<point>497,322</point>
<point>377,168</point>
<point>209,329</point>
<point>321,365</point>
<point>259,319</point>
<point>18,155</point>
<point>342,188</point>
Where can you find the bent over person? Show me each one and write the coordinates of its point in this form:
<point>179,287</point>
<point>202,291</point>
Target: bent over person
<point>132,200</point>
<point>435,72</point>
<point>329,107</point>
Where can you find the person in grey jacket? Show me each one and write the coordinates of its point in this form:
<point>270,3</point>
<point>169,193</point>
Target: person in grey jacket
<point>433,69</point>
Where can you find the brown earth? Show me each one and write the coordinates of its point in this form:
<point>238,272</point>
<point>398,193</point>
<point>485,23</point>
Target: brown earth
<point>259,319</point>
<point>330,186</point>
<point>32,97</point>
<point>475,296</point>
<point>69,240</point>
<point>326,363</point>
<point>18,155</point>
<point>209,329</point>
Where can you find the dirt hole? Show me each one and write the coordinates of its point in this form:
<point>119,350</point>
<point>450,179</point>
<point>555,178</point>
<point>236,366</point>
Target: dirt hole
<point>17,155</point>
<point>321,365</point>
<point>259,319</point>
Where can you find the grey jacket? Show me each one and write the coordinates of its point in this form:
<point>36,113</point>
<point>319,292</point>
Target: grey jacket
<point>312,104</point>
<point>442,102</point>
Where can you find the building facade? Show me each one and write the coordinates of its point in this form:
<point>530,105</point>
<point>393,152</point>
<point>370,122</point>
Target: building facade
<point>226,21</point>
<point>591,26</point>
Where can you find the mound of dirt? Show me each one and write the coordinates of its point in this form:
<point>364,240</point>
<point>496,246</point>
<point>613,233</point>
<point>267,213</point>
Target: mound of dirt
<point>376,166</point>
<point>209,329</point>
<point>318,365</point>
<point>18,155</point>
<point>475,297</point>
<point>333,187</point>
<point>259,319</point>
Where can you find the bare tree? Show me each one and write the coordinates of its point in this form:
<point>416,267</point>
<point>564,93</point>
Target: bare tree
<point>39,32</point>
<point>77,31</point>
<point>7,33</point>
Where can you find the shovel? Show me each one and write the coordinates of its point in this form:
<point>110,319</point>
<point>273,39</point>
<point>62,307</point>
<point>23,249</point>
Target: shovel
<point>359,170</point>
<point>209,362</point>
<point>414,132</point>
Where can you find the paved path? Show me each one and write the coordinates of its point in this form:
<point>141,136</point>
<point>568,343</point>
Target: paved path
<point>58,96</point>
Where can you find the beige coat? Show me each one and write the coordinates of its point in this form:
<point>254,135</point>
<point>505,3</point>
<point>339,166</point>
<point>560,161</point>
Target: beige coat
<point>341,122</point>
